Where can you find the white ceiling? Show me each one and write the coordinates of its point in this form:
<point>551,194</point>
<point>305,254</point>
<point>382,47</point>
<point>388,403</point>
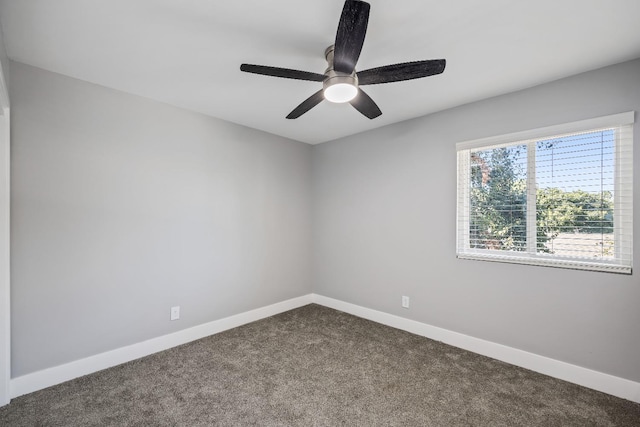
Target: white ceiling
<point>188,52</point>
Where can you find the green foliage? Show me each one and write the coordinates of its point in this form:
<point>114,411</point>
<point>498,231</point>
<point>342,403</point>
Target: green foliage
<point>498,199</point>
<point>576,211</point>
<point>498,205</point>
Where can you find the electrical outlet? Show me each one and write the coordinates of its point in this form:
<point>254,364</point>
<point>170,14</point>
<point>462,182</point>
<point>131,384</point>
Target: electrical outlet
<point>405,302</point>
<point>175,312</point>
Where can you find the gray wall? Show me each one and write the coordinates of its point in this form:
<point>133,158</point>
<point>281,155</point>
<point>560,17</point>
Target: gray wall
<point>4,231</point>
<point>123,207</point>
<point>4,59</point>
<point>384,226</point>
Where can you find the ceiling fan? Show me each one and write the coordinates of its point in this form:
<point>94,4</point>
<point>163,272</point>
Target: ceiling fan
<point>340,81</point>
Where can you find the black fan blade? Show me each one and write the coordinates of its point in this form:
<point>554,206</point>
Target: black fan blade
<point>400,72</point>
<point>363,103</point>
<point>282,72</point>
<point>307,105</point>
<point>350,35</point>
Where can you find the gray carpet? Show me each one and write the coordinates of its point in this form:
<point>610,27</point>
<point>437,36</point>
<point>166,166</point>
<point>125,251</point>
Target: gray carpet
<point>314,366</point>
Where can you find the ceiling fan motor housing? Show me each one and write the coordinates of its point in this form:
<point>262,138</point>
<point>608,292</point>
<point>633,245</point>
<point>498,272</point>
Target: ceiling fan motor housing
<point>335,79</point>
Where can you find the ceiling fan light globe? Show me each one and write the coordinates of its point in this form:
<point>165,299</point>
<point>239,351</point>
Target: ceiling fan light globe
<point>340,92</point>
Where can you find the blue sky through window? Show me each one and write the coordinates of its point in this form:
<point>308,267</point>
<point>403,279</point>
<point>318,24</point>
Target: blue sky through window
<point>578,162</point>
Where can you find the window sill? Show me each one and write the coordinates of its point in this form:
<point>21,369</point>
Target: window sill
<point>541,260</point>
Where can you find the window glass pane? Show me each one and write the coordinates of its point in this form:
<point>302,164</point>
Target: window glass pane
<point>498,199</point>
<point>574,196</point>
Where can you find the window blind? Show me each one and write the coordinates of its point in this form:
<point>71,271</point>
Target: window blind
<point>559,196</point>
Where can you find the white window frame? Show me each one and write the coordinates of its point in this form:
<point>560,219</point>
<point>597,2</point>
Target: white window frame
<point>623,222</point>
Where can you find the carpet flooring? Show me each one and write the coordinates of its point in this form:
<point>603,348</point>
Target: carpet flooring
<point>315,366</point>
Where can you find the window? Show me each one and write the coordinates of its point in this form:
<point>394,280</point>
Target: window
<point>559,196</point>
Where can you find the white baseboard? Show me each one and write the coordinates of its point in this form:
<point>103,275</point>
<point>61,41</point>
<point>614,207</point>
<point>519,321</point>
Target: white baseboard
<point>59,374</point>
<point>605,383</point>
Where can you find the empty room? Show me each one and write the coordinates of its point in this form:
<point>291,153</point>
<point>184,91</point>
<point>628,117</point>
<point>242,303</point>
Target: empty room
<point>295,213</point>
